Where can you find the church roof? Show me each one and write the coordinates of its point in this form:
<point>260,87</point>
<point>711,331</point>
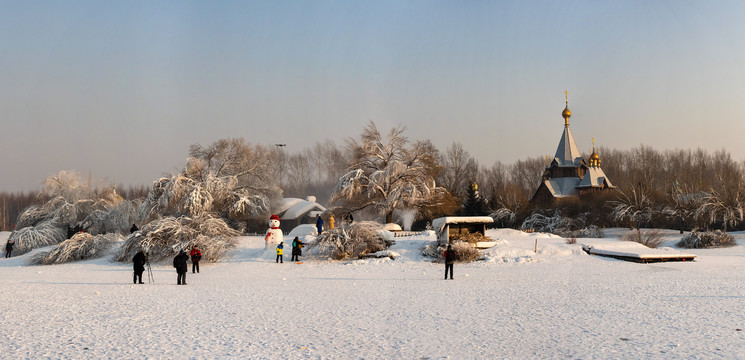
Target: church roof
<point>567,153</point>
<point>595,178</point>
<point>562,187</point>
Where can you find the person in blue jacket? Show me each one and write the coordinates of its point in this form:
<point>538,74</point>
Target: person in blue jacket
<point>319,224</point>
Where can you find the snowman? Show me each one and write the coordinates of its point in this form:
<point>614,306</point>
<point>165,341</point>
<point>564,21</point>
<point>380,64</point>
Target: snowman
<point>273,234</point>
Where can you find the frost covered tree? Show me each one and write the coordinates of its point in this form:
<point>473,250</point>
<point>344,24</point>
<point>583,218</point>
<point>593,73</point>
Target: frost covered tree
<point>223,186</point>
<point>681,205</point>
<point>388,173</point>
<point>635,207</point>
<point>231,179</point>
<point>718,206</point>
<point>72,204</point>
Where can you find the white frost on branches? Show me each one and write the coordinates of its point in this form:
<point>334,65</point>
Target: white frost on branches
<point>165,237</point>
<point>388,175</point>
<point>343,242</point>
<point>635,207</point>
<point>82,246</point>
<point>71,204</point>
<point>33,237</point>
<point>727,208</point>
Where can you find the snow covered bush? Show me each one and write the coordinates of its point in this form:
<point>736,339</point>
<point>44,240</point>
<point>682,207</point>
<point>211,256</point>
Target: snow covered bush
<point>72,205</point>
<point>82,246</point>
<point>591,231</point>
<point>359,238</point>
<point>164,237</point>
<point>31,237</point>
<point>649,238</point>
<point>560,225</point>
<point>464,251</point>
<point>550,224</point>
<point>705,240</point>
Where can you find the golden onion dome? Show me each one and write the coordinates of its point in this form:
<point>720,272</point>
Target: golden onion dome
<point>594,156</point>
<point>566,113</point>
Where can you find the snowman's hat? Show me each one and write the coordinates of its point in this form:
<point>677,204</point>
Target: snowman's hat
<point>274,217</point>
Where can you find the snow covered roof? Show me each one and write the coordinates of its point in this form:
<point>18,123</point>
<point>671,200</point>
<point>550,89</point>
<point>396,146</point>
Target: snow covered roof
<point>595,178</point>
<point>293,208</point>
<point>567,153</point>
<point>440,223</point>
<point>562,187</point>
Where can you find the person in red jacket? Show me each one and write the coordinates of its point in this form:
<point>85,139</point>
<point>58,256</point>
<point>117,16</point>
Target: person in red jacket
<point>196,256</point>
<point>449,256</point>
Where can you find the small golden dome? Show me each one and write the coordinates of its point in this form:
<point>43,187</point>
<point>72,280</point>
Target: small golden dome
<point>566,113</point>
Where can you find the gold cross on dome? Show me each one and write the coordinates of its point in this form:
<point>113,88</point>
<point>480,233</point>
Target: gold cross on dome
<point>566,95</point>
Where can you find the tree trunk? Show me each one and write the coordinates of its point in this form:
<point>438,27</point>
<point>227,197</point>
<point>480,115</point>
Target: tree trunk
<point>389,217</point>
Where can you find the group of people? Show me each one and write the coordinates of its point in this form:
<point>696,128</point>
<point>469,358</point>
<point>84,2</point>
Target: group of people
<point>297,247</point>
<point>180,262</point>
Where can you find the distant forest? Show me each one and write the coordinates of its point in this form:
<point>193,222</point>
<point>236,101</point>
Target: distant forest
<point>661,174</point>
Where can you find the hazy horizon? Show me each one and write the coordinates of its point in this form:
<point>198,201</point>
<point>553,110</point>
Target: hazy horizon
<point>121,90</point>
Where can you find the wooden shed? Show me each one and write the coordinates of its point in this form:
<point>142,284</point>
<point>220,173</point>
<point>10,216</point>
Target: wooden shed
<point>450,227</point>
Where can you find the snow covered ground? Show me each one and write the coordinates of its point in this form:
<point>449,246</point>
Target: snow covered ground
<point>517,304</point>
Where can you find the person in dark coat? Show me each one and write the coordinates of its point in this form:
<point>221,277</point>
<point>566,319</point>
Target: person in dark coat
<point>8,248</point>
<point>196,256</point>
<point>319,224</point>
<point>180,263</point>
<point>133,229</point>
<point>449,256</point>
<point>138,262</point>
<point>297,245</point>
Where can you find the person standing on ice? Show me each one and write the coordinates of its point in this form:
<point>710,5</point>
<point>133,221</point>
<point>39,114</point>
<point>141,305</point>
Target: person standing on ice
<point>297,245</point>
<point>280,247</point>
<point>319,224</point>
<point>274,233</point>
<point>8,248</point>
<point>179,262</point>
<point>138,262</point>
<point>449,256</point>
<point>196,256</point>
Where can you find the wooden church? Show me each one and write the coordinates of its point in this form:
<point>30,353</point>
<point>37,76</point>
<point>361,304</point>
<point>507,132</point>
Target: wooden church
<point>568,175</point>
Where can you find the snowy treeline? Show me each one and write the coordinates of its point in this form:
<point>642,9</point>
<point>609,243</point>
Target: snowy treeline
<point>228,179</point>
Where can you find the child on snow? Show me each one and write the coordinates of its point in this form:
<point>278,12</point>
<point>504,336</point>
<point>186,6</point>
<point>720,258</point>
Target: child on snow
<point>279,252</point>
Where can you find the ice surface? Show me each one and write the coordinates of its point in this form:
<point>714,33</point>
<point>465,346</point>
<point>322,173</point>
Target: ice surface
<point>515,304</point>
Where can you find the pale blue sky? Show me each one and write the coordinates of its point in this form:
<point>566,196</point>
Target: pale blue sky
<point>123,88</point>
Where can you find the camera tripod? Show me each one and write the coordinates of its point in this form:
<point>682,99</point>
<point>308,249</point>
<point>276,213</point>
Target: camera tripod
<point>150,278</point>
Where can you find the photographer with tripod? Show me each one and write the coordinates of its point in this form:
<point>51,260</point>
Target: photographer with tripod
<point>138,263</point>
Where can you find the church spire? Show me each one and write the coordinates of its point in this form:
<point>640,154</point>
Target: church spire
<point>566,114</point>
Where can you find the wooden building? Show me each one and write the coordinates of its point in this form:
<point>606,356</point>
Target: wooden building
<point>568,175</point>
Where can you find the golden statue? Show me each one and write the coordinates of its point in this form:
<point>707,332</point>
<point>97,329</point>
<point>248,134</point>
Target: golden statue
<point>331,222</point>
